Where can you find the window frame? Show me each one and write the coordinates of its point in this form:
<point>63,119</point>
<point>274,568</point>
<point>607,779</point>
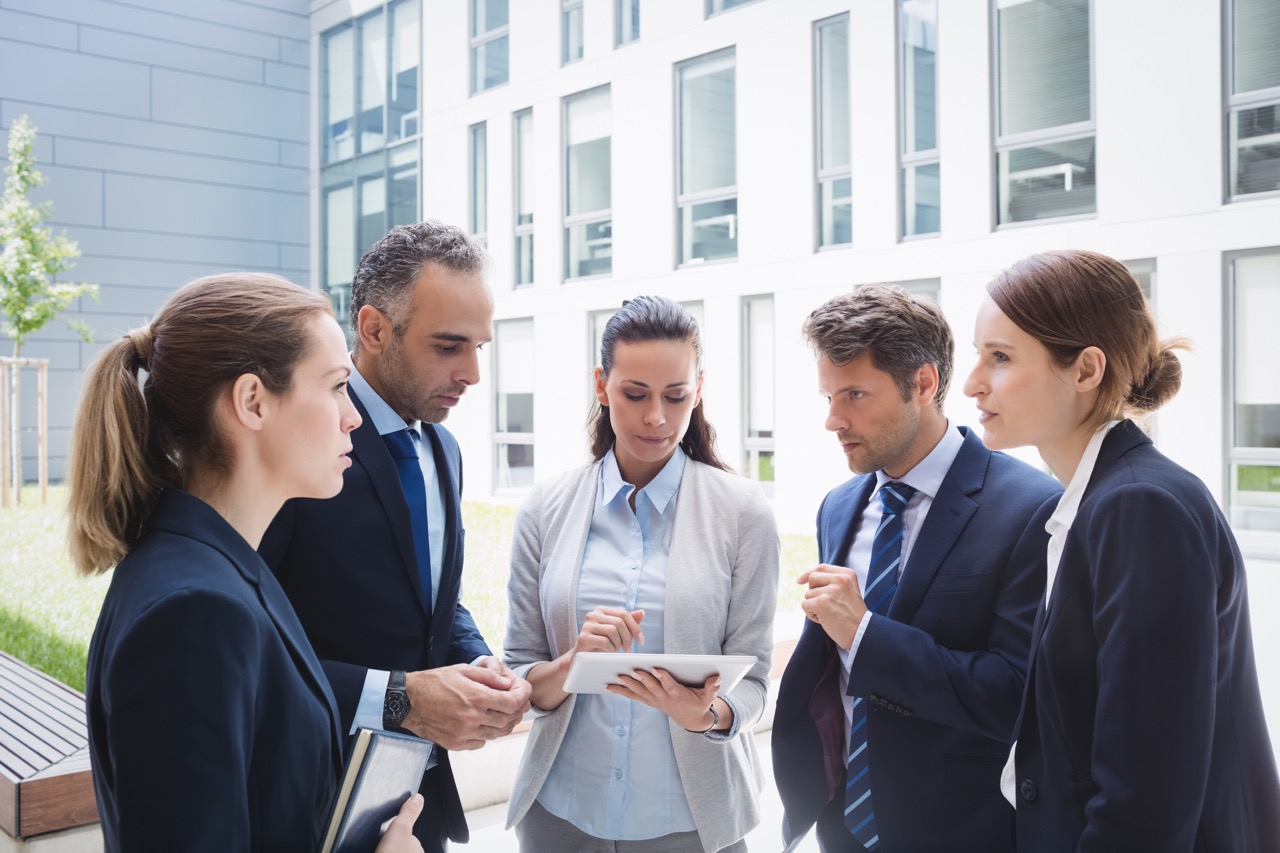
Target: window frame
<point>504,439</point>
<point>908,160</point>
<point>1233,104</point>
<point>620,7</point>
<point>522,230</point>
<point>590,217</point>
<point>568,7</point>
<point>479,40</point>
<point>832,174</point>
<point>723,193</point>
<point>478,196</point>
<point>753,447</point>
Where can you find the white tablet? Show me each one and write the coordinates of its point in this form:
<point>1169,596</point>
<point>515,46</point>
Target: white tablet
<point>591,672</point>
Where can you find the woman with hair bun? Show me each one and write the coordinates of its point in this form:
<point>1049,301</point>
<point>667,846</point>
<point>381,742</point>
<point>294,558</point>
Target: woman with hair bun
<point>211,724</point>
<point>653,547</point>
<point>1142,725</point>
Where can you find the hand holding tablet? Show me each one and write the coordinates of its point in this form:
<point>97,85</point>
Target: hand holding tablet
<point>593,672</point>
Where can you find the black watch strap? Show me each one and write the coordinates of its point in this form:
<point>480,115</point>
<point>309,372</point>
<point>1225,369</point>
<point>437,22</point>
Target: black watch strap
<point>395,705</point>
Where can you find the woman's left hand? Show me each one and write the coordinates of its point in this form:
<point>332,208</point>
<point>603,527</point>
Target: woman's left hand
<point>687,706</point>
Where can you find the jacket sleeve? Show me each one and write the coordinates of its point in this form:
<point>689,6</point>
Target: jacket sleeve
<point>181,694</point>
<point>752,605</point>
<point>1158,644</point>
<point>527,641</point>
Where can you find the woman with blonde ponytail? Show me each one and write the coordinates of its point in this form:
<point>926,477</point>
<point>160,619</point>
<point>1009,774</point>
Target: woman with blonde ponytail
<point>1142,725</point>
<point>211,724</point>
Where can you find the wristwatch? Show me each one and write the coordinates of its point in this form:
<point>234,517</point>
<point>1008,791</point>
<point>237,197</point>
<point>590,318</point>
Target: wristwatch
<point>395,706</point>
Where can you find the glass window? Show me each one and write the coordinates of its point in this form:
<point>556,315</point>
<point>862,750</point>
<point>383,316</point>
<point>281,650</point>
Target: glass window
<point>1255,455</point>
<point>570,31</point>
<point>835,183</point>
<point>929,287</point>
<point>524,196</point>
<point>339,94</point>
<point>758,396</point>
<point>626,22</point>
<point>488,44</point>
<point>918,109</point>
<point>513,354</point>
<point>479,183</point>
<point>715,7</point>
<point>366,187</point>
<point>1045,143</point>
<point>1144,271</point>
<point>406,56</point>
<point>588,223</point>
<point>707,195</point>
<point>1253,110</point>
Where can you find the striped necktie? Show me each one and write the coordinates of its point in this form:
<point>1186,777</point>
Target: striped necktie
<point>882,582</point>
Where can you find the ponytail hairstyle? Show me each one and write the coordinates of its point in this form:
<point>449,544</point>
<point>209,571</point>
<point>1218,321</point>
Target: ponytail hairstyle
<point>146,417</point>
<point>653,318</point>
<point>1073,299</point>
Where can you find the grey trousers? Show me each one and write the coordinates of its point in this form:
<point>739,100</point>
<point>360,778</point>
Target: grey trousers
<point>542,832</point>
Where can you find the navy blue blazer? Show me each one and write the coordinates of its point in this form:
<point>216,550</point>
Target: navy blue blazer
<point>349,567</point>
<point>1143,728</point>
<point>943,672</point>
<point>211,724</point>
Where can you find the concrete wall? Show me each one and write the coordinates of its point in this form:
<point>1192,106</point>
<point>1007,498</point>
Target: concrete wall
<point>174,137</point>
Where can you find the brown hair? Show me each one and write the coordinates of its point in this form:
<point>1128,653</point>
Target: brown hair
<point>132,439</point>
<point>653,318</point>
<point>1072,299</point>
<point>901,332</point>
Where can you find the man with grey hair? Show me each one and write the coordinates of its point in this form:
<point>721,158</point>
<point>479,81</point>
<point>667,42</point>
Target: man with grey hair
<point>375,573</point>
<point>896,709</point>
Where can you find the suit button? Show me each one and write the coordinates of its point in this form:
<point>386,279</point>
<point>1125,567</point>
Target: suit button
<point>1028,790</point>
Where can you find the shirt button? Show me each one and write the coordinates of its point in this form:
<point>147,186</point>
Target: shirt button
<point>622,730</point>
<point>617,774</point>
<point>1028,790</point>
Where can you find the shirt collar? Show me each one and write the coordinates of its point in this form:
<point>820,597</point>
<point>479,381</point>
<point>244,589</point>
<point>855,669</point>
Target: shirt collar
<point>1069,503</point>
<point>383,416</point>
<point>661,489</point>
<point>929,472</point>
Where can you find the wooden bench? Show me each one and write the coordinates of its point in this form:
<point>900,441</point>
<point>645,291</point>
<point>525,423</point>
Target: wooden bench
<point>45,782</point>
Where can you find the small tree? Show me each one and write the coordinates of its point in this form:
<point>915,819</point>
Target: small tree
<point>32,254</point>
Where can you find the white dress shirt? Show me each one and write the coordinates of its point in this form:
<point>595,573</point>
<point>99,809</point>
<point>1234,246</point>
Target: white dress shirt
<point>926,478</point>
<point>1058,526</point>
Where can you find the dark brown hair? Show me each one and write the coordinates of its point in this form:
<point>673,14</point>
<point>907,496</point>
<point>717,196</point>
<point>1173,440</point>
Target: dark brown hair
<point>134,438</point>
<point>653,318</point>
<point>1072,299</point>
<point>901,333</point>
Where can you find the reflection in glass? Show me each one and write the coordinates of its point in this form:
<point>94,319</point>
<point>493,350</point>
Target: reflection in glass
<point>524,196</point>
<point>1254,149</point>
<point>402,112</point>
<point>339,94</point>
<point>706,126</point>
<point>921,208</point>
<point>708,231</point>
<point>514,386</point>
<point>373,80</point>
<point>1044,64</point>
<point>479,181</point>
<point>588,184</point>
<point>1047,180</point>
<point>835,212</point>
<point>626,22</point>
<point>571,33</point>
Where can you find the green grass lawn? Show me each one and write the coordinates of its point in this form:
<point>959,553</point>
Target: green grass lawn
<point>47,612</point>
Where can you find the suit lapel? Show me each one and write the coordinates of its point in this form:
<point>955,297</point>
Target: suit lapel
<point>949,513</point>
<point>370,452</point>
<point>840,519</point>
<point>447,477</point>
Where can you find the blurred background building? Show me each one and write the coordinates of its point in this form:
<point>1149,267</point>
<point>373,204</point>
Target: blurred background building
<point>750,158</point>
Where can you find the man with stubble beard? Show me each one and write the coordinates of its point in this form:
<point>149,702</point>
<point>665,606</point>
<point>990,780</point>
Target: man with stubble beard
<point>375,573</point>
<point>896,709</point>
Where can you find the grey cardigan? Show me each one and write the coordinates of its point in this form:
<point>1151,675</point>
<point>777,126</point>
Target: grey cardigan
<point>722,590</point>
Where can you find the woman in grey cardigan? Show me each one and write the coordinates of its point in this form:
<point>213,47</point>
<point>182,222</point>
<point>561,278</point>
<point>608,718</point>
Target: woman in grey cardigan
<point>654,547</point>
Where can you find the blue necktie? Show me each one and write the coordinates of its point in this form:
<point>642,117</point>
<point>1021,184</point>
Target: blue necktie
<point>403,447</point>
<point>882,582</point>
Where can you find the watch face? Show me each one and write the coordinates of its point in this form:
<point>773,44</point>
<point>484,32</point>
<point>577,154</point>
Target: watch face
<point>396,706</point>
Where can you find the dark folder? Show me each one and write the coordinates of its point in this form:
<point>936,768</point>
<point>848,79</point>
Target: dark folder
<point>384,769</point>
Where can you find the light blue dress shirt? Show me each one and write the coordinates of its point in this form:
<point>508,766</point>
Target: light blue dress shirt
<point>615,773</point>
<point>369,709</point>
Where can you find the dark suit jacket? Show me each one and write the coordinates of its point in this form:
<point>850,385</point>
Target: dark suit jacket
<point>943,672</point>
<point>349,567</point>
<point>1143,727</point>
<point>211,724</point>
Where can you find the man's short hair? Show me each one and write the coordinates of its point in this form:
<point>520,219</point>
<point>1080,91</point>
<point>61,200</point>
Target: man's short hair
<point>901,332</point>
<point>388,271</point>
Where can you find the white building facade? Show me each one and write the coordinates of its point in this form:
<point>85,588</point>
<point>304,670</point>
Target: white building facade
<point>752,159</point>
